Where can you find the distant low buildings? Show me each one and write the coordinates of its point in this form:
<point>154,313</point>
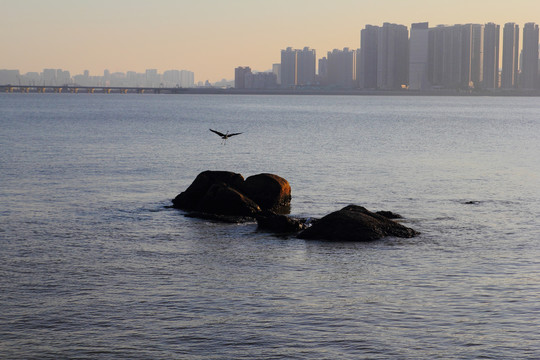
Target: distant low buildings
<point>10,77</point>
<point>59,77</point>
<point>245,79</point>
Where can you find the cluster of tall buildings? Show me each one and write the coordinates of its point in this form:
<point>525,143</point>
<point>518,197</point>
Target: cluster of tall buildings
<point>470,56</point>
<point>59,77</point>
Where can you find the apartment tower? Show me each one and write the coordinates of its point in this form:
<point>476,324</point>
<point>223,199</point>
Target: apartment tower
<point>341,68</point>
<point>288,67</point>
<point>305,66</point>
<point>491,56</point>
<point>529,70</point>
<point>392,56</point>
<point>418,56</point>
<point>368,57</point>
<point>510,56</point>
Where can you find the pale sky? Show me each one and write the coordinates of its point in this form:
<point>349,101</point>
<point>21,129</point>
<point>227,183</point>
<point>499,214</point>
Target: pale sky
<point>212,37</point>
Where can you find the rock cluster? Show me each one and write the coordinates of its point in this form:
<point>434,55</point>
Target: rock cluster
<point>227,193</point>
<point>226,196</point>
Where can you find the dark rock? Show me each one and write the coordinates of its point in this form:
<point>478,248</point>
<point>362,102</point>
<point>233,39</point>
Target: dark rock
<point>355,223</point>
<point>269,191</point>
<point>226,193</point>
<point>224,200</point>
<point>389,214</point>
<point>189,199</point>
<point>472,202</point>
<point>270,221</point>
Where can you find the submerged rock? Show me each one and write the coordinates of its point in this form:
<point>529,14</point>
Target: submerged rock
<point>231,219</point>
<point>355,223</point>
<point>279,223</point>
<point>389,214</point>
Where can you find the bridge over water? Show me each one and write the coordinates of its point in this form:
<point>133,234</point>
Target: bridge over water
<point>89,89</point>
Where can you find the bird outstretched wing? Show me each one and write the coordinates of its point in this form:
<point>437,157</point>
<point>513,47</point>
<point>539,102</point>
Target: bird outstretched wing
<point>217,132</point>
<point>234,134</point>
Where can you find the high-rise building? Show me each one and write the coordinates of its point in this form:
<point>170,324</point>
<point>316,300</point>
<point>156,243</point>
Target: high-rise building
<point>418,56</point>
<point>9,77</point>
<point>306,66</point>
<point>323,70</point>
<point>276,69</point>
<point>298,67</point>
<point>392,56</point>
<point>63,77</point>
<point>529,70</point>
<point>187,78</point>
<point>436,56</point>
<point>510,55</point>
<point>456,56</point>
<point>240,74</point>
<point>288,67</point>
<point>341,68</point>
<point>49,77</point>
<point>106,77</point>
<point>477,55</point>
<point>152,78</point>
<point>491,56</point>
<point>171,78</point>
<point>368,57</point>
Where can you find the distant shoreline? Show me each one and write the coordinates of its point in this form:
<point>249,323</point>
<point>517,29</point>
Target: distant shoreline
<point>360,92</point>
<point>233,91</point>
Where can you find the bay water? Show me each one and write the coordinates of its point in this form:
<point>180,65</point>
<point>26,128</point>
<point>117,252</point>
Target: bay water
<point>95,264</point>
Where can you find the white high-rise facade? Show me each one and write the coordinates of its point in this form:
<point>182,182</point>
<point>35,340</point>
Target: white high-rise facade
<point>418,57</point>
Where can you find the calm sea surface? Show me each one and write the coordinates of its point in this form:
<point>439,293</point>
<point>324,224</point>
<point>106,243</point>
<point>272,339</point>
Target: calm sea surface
<point>94,265</point>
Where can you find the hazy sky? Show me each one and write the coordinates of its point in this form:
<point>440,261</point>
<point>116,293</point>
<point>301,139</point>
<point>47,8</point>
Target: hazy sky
<point>211,37</point>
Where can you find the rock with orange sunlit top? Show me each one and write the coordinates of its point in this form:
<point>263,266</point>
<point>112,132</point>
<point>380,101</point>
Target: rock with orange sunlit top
<point>270,191</point>
<point>226,193</point>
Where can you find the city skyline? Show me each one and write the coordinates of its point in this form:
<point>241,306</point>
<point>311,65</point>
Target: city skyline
<point>209,37</point>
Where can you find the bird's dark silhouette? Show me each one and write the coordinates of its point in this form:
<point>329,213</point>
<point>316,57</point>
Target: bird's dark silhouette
<point>224,136</point>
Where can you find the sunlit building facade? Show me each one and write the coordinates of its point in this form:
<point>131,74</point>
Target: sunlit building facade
<point>490,79</point>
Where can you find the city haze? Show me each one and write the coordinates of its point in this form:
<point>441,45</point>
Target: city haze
<point>211,37</point>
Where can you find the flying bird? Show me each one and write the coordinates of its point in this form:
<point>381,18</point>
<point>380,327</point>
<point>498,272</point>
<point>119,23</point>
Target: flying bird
<point>224,136</point>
